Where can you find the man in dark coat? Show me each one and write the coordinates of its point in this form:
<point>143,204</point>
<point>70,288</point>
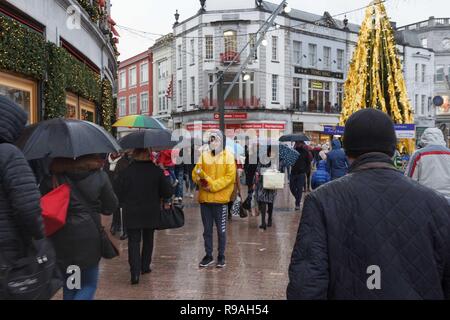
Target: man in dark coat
<point>141,188</point>
<point>20,211</point>
<point>373,234</point>
<point>298,173</point>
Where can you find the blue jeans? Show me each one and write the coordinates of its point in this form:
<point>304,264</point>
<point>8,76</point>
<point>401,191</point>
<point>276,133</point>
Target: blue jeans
<point>179,174</point>
<point>217,213</point>
<point>296,185</point>
<point>89,280</point>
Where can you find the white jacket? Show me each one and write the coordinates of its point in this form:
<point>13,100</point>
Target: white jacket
<point>430,166</point>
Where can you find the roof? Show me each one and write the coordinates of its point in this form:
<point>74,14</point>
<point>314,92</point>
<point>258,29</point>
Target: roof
<point>139,57</point>
<point>407,38</point>
<point>325,20</point>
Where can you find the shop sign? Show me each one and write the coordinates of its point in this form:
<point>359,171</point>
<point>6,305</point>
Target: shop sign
<point>405,131</point>
<point>232,116</point>
<point>333,130</point>
<point>319,73</point>
<point>317,85</point>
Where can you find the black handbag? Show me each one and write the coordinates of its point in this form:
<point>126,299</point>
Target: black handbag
<point>33,277</point>
<point>171,218</point>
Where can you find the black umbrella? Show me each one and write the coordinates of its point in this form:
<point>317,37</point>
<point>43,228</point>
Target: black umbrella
<point>294,138</point>
<point>65,138</point>
<point>149,138</point>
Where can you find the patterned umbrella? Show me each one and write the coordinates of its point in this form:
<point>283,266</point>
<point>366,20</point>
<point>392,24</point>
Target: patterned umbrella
<point>288,156</point>
<point>139,121</point>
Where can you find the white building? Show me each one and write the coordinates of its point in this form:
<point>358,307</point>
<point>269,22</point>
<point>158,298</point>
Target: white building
<point>163,78</point>
<point>295,82</point>
<point>418,70</point>
<point>434,33</point>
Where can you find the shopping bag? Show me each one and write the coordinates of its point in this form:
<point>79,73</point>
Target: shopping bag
<point>236,208</point>
<point>54,209</point>
<point>273,180</point>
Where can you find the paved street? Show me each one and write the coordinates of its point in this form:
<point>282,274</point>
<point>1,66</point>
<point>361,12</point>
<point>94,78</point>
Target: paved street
<point>257,261</point>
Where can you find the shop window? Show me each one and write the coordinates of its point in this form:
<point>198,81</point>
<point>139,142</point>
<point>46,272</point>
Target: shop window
<point>79,108</point>
<point>22,91</point>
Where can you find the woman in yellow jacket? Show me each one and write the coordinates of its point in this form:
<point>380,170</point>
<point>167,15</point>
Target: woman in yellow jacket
<point>215,174</point>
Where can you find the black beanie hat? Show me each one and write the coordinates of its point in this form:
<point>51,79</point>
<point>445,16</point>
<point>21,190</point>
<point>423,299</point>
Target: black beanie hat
<point>369,130</point>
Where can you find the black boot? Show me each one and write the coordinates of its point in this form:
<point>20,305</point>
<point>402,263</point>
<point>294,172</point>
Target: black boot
<point>263,220</point>
<point>269,224</point>
<point>134,279</point>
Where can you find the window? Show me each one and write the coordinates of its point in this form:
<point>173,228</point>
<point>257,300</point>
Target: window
<point>297,93</point>
<point>163,72</point>
<point>297,56</point>
<point>230,41</point>
<point>133,105</point>
<point>416,74</point>
<point>209,46</point>
<point>274,88</point>
<point>122,107</point>
<point>425,43</point>
<point>416,104</point>
<point>312,55</point>
<point>180,93</point>
<point>319,96</point>
<point>144,102</point>
<point>253,45</point>
<point>424,72</point>
<point>326,57</point>
<point>424,98</point>
<point>192,51</point>
<point>429,107</point>
<point>132,74</point>
<point>274,48</point>
<point>180,57</point>
<point>123,80</point>
<point>144,73</point>
<point>192,91</point>
<point>440,76</point>
<point>340,59</point>
<point>21,91</point>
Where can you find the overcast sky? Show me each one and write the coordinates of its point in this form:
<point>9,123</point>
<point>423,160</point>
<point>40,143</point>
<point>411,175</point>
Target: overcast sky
<point>156,16</point>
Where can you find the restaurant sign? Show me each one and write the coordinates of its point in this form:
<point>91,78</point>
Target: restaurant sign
<point>319,73</point>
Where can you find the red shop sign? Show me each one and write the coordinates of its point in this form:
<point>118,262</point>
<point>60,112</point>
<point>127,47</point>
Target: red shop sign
<point>232,116</point>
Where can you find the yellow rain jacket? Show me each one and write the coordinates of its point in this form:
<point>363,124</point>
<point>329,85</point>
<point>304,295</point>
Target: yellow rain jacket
<point>219,172</point>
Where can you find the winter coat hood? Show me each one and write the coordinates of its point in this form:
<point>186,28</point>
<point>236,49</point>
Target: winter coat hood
<point>12,121</point>
<point>433,137</point>
<point>336,145</point>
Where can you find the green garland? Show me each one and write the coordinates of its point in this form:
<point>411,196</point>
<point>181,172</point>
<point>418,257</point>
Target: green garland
<point>21,49</point>
<point>107,105</point>
<point>93,10</point>
<point>25,51</point>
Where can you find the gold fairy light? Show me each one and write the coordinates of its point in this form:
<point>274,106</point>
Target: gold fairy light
<point>375,78</point>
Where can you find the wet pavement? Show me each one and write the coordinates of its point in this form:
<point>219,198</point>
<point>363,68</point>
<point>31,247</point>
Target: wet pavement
<point>257,261</point>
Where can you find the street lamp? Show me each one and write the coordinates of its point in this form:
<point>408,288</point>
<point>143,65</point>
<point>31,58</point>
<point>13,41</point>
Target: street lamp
<point>287,8</point>
<point>246,77</point>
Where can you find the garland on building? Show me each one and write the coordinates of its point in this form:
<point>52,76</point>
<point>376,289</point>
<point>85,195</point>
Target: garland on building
<point>375,78</point>
<point>26,52</point>
<point>107,105</point>
<point>21,49</point>
<point>93,9</point>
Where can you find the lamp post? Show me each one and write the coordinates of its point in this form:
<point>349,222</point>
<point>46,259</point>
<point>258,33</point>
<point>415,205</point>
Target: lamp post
<point>262,31</point>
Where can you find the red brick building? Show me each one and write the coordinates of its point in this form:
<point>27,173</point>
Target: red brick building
<point>135,85</point>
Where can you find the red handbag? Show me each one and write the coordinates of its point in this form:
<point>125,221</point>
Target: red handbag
<point>54,207</point>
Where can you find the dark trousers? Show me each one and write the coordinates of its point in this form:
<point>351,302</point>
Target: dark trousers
<point>214,213</point>
<point>308,181</point>
<point>179,173</point>
<point>140,262</point>
<point>262,210</point>
<point>296,186</point>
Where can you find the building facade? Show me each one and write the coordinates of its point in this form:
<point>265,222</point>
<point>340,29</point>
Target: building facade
<point>418,71</point>
<point>293,84</point>
<point>162,52</point>
<point>59,58</point>
<point>434,33</point>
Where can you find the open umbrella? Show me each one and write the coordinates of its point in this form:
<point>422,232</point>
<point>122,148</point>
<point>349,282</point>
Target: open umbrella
<point>139,121</point>
<point>288,156</point>
<point>65,138</point>
<point>148,138</point>
<point>294,138</point>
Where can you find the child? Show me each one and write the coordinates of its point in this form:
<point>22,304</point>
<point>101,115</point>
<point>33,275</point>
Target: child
<point>321,176</point>
<point>165,162</point>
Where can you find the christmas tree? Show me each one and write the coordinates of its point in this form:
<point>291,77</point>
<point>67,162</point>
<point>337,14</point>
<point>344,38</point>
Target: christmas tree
<point>375,78</point>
